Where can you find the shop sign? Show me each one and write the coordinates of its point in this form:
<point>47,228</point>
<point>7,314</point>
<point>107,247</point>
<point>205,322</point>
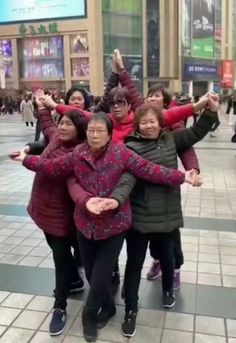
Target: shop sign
<point>228,74</point>
<point>203,27</point>
<point>203,69</point>
<point>33,30</point>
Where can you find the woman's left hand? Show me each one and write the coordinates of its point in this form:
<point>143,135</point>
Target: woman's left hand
<point>18,155</point>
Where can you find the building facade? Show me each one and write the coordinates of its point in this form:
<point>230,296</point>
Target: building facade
<point>187,45</point>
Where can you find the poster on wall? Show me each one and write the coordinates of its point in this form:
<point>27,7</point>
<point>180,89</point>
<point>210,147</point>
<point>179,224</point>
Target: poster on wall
<point>203,15</point>
<point>28,10</point>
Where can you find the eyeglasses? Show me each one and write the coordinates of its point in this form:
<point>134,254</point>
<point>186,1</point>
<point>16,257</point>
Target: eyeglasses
<point>98,132</point>
<point>119,103</point>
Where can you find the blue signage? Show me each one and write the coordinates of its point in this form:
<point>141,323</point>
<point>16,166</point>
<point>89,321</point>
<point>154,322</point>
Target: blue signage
<point>203,69</point>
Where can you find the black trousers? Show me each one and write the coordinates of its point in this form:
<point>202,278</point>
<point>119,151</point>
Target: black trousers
<point>65,267</point>
<point>137,244</point>
<point>99,258</point>
<point>37,131</point>
<point>178,252</point>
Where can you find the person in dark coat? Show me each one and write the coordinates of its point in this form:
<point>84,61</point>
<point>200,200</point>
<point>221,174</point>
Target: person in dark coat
<point>156,209</point>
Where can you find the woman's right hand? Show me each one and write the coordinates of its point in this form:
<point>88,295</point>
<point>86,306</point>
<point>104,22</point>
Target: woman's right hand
<point>48,102</point>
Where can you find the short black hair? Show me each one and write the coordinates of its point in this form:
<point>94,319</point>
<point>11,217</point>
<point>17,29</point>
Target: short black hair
<point>104,118</point>
<point>119,93</point>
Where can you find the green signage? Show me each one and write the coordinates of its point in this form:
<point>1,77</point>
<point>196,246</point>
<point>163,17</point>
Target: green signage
<point>37,30</point>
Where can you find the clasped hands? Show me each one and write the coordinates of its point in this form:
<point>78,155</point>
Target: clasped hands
<point>97,205</point>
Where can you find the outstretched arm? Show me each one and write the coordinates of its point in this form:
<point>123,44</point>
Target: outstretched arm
<point>184,139</point>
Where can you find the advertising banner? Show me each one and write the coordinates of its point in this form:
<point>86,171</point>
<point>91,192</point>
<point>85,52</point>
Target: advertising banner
<point>228,74</point>
<point>203,15</point>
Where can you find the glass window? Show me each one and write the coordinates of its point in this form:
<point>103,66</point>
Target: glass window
<point>122,27</point>
<point>79,43</point>
<point>153,38</point>
<point>6,53</point>
<point>41,58</point>
<point>80,67</point>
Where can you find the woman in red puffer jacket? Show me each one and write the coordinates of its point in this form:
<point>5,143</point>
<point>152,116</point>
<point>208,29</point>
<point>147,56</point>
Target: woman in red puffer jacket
<point>51,208</point>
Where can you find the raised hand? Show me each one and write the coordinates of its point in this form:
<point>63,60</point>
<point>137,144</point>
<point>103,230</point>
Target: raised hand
<point>39,96</point>
<point>118,60</point>
<point>48,102</point>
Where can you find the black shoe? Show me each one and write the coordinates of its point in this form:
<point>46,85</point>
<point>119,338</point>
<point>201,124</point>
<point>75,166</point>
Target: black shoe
<point>168,299</point>
<point>75,287</point>
<point>89,327</point>
<point>105,315</point>
<point>128,327</point>
<point>115,281</point>
<point>58,322</point>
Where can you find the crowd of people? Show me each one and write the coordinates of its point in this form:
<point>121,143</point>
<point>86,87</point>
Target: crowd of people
<point>108,172</point>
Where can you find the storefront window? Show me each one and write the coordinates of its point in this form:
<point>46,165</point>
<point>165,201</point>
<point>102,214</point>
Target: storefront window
<point>80,67</point>
<point>234,31</point>
<point>186,27</point>
<point>153,38</point>
<point>41,58</point>
<point>79,43</point>
<point>218,28</point>
<point>6,53</point>
<point>122,27</point>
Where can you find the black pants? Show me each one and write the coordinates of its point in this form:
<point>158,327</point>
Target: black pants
<point>37,131</point>
<point>178,252</point>
<point>27,123</point>
<point>99,259</point>
<point>65,267</point>
<point>230,105</point>
<point>137,244</point>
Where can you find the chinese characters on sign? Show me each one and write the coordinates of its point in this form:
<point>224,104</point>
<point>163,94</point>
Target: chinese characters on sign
<point>40,30</point>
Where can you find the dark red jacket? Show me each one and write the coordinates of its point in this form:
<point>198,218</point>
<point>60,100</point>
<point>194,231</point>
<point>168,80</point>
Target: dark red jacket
<point>51,206</point>
<point>173,115</point>
<point>99,175</point>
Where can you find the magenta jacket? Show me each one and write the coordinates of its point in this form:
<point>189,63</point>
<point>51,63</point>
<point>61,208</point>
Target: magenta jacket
<point>99,175</point>
<point>188,158</point>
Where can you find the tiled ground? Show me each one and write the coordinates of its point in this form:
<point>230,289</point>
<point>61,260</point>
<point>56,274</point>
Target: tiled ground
<point>205,309</point>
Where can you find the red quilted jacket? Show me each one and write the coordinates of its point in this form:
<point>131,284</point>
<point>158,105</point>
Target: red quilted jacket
<point>99,175</point>
<point>50,205</point>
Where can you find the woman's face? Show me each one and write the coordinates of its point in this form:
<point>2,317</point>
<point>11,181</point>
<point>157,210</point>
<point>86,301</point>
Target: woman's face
<point>149,125</point>
<point>97,134</point>
<point>157,99</point>
<point>77,100</point>
<point>67,130</point>
<point>119,108</point>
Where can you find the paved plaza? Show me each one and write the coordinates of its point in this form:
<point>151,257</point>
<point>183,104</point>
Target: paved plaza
<point>205,310</point>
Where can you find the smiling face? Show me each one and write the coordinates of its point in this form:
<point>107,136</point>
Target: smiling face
<point>149,125</point>
<point>67,130</point>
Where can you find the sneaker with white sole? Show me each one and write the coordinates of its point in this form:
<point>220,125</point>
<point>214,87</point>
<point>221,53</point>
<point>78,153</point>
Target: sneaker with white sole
<point>168,299</point>
<point>155,271</point>
<point>128,327</point>
<point>58,322</point>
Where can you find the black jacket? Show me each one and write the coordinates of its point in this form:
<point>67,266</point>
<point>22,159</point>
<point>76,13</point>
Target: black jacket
<point>157,208</point>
